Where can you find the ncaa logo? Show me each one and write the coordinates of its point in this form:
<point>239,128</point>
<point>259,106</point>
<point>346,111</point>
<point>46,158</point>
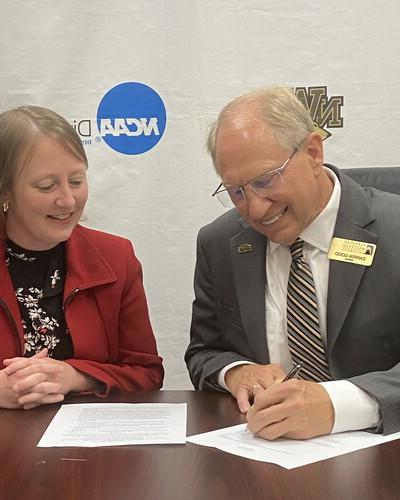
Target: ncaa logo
<point>131,118</point>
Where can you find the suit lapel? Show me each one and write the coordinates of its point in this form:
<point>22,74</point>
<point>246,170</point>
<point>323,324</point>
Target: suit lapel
<point>344,278</point>
<point>248,261</point>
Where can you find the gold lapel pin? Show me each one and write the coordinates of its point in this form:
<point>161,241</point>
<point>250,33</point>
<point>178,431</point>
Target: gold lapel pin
<point>244,248</point>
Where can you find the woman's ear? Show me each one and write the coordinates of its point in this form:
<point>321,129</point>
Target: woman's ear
<point>5,201</point>
<point>5,206</point>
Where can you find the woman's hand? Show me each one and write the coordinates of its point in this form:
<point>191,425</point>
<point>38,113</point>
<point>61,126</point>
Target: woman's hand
<point>8,398</point>
<point>41,380</point>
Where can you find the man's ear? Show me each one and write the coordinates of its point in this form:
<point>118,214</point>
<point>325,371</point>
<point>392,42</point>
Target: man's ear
<point>314,149</point>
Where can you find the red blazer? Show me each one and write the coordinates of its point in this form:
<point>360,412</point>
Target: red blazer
<point>105,309</point>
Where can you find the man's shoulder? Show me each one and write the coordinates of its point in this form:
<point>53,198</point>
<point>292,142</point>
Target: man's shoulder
<point>374,190</point>
<point>226,224</point>
<point>383,178</point>
<point>381,202</point>
<point>383,199</point>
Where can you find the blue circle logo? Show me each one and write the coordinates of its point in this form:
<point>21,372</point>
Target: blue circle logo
<point>131,118</point>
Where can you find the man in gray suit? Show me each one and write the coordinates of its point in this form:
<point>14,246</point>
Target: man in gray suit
<point>270,160</point>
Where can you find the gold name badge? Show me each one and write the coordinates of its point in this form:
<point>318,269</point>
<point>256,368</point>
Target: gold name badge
<point>356,252</point>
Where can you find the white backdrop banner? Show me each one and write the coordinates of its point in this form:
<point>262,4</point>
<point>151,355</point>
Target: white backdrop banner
<point>141,80</point>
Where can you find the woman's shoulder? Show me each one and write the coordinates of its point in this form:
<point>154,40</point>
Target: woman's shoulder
<point>91,253</point>
<point>99,238</point>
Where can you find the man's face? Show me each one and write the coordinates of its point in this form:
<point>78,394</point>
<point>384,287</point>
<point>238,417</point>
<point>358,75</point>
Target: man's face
<point>248,149</point>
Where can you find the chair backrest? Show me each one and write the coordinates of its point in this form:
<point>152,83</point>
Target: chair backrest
<point>384,178</point>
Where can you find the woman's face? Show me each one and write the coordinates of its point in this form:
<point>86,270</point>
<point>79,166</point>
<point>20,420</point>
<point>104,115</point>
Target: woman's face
<point>48,197</point>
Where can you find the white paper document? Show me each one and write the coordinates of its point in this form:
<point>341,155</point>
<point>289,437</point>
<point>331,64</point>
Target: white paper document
<point>288,453</point>
<point>114,424</point>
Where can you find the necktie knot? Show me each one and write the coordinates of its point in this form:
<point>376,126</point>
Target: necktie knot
<point>296,249</point>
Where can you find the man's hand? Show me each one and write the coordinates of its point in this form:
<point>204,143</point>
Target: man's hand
<point>42,380</point>
<point>244,381</point>
<point>294,409</point>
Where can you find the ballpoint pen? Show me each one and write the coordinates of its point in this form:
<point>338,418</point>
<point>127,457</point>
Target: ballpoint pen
<point>293,372</point>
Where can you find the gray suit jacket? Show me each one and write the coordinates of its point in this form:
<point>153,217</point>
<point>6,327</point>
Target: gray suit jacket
<point>363,310</point>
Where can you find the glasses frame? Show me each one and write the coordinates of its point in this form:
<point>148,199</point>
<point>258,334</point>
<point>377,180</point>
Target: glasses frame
<point>278,170</point>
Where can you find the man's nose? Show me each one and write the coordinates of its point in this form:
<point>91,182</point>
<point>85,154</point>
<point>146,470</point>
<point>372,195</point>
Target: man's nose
<point>256,205</point>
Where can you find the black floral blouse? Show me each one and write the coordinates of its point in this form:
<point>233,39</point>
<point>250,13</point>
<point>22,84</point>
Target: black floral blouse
<point>38,278</point>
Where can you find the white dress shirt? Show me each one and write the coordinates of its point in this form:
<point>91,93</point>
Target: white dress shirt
<point>354,408</point>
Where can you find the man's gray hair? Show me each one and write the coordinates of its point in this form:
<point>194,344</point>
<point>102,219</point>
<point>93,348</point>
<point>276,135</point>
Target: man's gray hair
<point>278,107</point>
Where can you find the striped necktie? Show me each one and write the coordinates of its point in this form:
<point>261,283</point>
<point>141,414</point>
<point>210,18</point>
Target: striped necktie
<point>304,337</point>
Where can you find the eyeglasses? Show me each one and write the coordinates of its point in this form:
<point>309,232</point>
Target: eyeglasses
<point>261,186</point>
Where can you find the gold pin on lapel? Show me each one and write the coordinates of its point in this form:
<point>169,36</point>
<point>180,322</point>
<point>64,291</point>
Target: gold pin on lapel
<point>244,248</point>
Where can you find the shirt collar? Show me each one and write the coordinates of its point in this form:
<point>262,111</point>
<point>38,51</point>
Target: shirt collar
<point>319,233</point>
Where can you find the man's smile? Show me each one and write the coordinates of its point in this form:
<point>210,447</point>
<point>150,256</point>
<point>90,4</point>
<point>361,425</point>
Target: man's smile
<point>271,220</point>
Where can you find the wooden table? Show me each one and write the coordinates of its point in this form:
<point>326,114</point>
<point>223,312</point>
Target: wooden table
<point>179,472</point>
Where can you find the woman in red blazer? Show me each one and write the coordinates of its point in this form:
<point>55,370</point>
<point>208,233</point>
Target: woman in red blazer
<point>73,312</point>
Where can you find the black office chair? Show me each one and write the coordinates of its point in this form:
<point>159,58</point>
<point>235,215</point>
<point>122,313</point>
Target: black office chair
<point>385,178</point>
